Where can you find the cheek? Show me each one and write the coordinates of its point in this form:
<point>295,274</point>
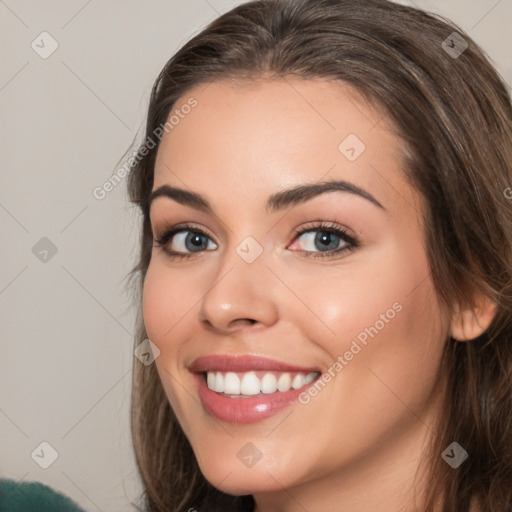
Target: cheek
<point>388,336</point>
<point>155,301</point>
<point>401,350</point>
<point>351,301</point>
<point>165,305</point>
<point>385,324</point>
<point>166,301</point>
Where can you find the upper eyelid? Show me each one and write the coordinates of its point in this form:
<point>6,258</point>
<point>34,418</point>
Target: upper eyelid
<point>180,227</point>
<point>310,226</point>
<point>315,225</point>
<point>352,242</point>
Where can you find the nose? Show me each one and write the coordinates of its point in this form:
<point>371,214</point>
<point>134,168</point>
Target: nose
<point>241,295</point>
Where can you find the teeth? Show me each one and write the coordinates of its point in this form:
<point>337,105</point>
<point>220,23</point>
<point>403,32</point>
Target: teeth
<point>268,383</point>
<point>310,377</point>
<point>250,384</point>
<point>231,384</point>
<point>219,382</point>
<point>210,381</point>
<point>285,382</point>
<point>298,381</point>
<point>253,383</point>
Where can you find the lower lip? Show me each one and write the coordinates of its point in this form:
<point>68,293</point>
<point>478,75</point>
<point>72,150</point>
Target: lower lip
<point>245,409</point>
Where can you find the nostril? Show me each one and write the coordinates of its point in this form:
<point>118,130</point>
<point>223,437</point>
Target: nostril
<point>242,322</point>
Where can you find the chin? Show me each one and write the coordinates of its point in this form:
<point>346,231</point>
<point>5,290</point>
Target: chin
<point>225,469</point>
<point>239,483</point>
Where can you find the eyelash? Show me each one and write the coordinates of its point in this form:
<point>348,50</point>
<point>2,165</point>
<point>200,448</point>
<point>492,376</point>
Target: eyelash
<point>327,227</point>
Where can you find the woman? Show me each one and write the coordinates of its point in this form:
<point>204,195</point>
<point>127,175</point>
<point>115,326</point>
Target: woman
<point>325,266</point>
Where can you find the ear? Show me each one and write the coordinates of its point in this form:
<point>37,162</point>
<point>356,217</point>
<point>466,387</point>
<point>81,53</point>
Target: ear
<point>469,322</point>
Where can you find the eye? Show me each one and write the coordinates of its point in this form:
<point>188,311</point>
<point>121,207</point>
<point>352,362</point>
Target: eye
<point>180,242</point>
<point>325,240</point>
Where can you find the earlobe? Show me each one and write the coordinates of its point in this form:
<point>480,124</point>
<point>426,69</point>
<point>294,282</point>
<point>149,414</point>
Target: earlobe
<point>470,322</point>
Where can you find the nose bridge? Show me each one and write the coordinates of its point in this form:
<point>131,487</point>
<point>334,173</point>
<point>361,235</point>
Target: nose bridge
<point>238,291</point>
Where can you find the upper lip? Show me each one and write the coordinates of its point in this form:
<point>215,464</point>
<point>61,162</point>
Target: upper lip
<point>225,363</point>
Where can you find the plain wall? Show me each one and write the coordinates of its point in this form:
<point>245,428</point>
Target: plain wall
<point>67,322</point>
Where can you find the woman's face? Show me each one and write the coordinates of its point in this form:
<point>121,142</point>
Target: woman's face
<point>359,307</point>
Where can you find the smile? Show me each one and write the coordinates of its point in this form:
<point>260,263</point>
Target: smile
<point>248,389</point>
<point>256,382</point>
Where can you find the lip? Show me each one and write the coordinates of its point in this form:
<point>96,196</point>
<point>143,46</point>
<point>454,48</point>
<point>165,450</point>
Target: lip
<point>244,409</point>
<point>225,363</point>
<point>240,408</point>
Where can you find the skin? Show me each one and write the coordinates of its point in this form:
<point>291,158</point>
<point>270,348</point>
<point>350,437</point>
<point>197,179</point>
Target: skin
<point>357,445</point>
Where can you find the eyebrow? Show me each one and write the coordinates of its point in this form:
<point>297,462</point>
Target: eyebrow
<point>276,202</point>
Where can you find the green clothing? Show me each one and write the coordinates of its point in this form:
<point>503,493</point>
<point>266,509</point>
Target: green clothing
<point>33,497</point>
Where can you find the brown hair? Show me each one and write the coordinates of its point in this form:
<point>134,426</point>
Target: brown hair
<point>454,113</point>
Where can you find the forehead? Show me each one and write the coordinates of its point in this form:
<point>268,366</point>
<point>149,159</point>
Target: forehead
<point>269,134</point>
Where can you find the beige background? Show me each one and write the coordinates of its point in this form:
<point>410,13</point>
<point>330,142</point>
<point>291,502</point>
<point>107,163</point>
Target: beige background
<point>67,323</point>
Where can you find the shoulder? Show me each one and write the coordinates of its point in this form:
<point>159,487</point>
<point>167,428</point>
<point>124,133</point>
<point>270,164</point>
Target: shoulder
<point>33,496</point>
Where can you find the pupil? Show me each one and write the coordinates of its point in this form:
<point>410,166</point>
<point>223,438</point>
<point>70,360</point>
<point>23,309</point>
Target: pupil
<point>196,240</point>
<point>325,239</point>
